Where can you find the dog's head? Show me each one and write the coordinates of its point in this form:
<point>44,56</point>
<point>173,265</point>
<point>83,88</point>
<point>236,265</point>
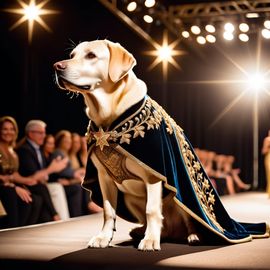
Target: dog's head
<point>92,65</point>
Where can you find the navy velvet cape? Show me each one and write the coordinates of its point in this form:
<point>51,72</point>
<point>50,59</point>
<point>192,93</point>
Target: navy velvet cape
<point>171,156</point>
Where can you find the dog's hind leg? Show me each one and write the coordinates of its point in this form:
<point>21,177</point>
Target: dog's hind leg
<point>151,240</point>
<point>192,238</point>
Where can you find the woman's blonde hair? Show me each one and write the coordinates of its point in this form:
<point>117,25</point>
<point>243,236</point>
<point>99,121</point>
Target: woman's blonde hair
<point>11,120</point>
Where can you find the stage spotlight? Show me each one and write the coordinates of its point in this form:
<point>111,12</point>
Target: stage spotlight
<point>228,36</point>
<point>132,6</point>
<point>267,24</point>
<point>32,14</point>
<point>149,3</point>
<point>148,18</point>
<point>243,27</point>
<point>211,38</point>
<point>185,34</point>
<point>195,29</point>
<point>256,82</point>
<point>201,40</point>
<point>266,33</point>
<point>244,37</point>
<point>252,15</point>
<point>229,27</point>
<point>165,53</point>
<point>210,28</point>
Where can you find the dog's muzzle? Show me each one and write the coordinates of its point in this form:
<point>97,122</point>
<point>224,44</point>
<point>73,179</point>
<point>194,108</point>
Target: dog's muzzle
<point>65,84</point>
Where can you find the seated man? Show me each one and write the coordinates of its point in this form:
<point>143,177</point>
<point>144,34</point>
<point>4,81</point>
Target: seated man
<point>32,161</point>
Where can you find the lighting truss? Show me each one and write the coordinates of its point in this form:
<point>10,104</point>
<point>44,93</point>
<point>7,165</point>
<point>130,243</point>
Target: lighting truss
<point>177,18</point>
<point>220,9</point>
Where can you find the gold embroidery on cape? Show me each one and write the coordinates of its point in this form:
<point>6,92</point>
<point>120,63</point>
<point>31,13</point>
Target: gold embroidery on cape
<point>114,162</point>
<point>150,116</point>
<point>200,184</point>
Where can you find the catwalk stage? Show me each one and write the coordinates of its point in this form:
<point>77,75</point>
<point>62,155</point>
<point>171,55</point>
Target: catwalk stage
<point>62,245</point>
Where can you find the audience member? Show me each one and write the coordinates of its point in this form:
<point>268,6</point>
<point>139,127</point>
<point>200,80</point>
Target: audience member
<point>234,173</point>
<point>266,154</point>
<point>221,183</point>
<point>56,190</point>
<point>32,161</point>
<point>20,206</point>
<point>70,179</point>
<point>220,170</point>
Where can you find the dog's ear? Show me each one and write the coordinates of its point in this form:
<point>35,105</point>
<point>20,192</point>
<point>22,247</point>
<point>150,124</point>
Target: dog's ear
<point>121,61</point>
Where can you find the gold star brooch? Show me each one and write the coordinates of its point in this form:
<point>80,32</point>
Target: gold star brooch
<point>101,138</point>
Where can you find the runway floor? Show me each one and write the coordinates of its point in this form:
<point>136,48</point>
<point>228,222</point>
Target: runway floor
<point>62,245</point>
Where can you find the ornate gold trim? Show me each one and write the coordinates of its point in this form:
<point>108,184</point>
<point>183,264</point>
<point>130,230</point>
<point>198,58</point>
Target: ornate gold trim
<point>149,116</point>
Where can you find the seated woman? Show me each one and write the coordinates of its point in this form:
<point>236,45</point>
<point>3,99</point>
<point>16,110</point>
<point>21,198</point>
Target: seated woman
<point>70,179</point>
<point>266,158</point>
<point>21,206</point>
<point>56,190</point>
<point>234,173</point>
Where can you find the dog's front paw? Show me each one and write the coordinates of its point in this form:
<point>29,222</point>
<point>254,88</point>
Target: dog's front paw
<point>193,239</point>
<point>149,245</point>
<point>99,241</point>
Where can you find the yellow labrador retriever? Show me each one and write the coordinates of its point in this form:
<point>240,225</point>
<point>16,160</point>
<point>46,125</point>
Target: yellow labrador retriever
<point>102,72</point>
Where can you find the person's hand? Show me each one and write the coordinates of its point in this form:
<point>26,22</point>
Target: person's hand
<point>24,194</point>
<point>5,178</point>
<point>40,176</point>
<point>236,171</point>
<point>58,164</point>
<point>64,182</point>
<point>79,174</point>
<point>31,181</point>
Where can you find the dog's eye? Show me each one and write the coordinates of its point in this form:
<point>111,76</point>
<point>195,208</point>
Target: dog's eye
<point>90,55</point>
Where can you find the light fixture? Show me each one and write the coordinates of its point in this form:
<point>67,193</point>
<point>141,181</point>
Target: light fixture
<point>266,33</point>
<point>132,6</point>
<point>211,38</point>
<point>164,54</point>
<point>267,24</point>
<point>31,13</point>
<point>210,28</point>
<point>201,40</point>
<point>149,3</point>
<point>243,27</point>
<point>229,27</point>
<point>185,34</point>
<point>195,29</point>
<point>228,36</point>
<point>252,15</point>
<point>243,37</point>
<point>256,82</point>
<point>148,18</point>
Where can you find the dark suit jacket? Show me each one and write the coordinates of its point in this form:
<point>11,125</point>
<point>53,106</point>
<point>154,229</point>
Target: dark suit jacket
<point>28,159</point>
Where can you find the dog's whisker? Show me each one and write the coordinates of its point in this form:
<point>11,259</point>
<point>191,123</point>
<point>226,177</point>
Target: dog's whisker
<point>68,93</point>
<point>72,42</point>
<point>71,45</point>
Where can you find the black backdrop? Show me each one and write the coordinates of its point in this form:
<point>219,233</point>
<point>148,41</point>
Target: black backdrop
<point>28,90</point>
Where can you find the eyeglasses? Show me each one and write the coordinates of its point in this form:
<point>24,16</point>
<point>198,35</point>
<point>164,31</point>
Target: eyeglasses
<point>38,132</point>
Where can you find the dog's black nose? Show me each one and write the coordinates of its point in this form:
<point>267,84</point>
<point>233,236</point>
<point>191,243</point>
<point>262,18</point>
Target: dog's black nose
<point>59,66</point>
